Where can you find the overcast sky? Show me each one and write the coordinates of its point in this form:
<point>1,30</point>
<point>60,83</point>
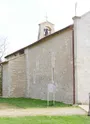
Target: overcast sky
<point>19,19</point>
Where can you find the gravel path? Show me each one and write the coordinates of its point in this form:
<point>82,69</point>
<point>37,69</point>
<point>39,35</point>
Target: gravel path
<point>41,111</point>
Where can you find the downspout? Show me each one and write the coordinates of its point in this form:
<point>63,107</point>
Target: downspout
<point>73,65</point>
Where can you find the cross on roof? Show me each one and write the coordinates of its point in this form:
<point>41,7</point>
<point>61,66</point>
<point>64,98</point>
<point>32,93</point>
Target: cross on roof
<point>46,17</point>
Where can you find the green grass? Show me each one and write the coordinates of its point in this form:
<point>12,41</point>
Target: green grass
<point>46,120</point>
<point>0,83</point>
<point>29,103</point>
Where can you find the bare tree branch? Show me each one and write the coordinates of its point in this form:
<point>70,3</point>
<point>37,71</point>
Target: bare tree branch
<point>3,46</point>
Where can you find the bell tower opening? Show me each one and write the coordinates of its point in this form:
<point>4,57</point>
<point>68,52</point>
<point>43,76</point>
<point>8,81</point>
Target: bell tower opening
<point>45,28</point>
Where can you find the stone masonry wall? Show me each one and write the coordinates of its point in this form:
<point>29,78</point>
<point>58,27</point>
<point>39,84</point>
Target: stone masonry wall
<point>5,84</point>
<point>16,77</point>
<point>56,53</point>
<point>0,80</point>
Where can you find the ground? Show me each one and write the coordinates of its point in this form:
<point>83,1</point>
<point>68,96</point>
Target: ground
<point>41,111</point>
<point>29,103</point>
<point>31,111</point>
<point>47,120</point>
<point>29,107</point>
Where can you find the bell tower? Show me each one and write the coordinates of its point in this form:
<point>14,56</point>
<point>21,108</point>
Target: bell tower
<point>45,28</point>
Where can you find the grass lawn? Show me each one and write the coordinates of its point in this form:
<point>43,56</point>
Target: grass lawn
<point>46,120</point>
<point>29,103</point>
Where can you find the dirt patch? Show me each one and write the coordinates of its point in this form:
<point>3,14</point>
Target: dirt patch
<point>41,111</point>
<point>6,106</point>
<point>7,110</point>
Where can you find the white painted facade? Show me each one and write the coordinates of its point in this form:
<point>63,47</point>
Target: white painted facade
<point>82,57</point>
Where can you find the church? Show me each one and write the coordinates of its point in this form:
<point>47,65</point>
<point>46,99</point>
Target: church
<point>60,57</point>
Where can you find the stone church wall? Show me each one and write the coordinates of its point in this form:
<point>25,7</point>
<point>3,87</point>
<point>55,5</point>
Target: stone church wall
<point>5,80</point>
<point>14,77</point>
<point>55,52</point>
<point>0,80</point>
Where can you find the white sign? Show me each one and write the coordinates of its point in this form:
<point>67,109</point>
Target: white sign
<point>51,88</point>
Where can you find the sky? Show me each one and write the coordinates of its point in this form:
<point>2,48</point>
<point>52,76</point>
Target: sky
<point>19,19</point>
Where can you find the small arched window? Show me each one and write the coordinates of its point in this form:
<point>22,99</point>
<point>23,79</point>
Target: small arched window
<point>47,30</point>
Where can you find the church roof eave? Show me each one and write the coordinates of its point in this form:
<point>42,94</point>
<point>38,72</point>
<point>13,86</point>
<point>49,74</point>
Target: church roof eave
<point>70,26</point>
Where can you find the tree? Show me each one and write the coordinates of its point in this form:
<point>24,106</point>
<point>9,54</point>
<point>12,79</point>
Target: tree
<point>3,47</point>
